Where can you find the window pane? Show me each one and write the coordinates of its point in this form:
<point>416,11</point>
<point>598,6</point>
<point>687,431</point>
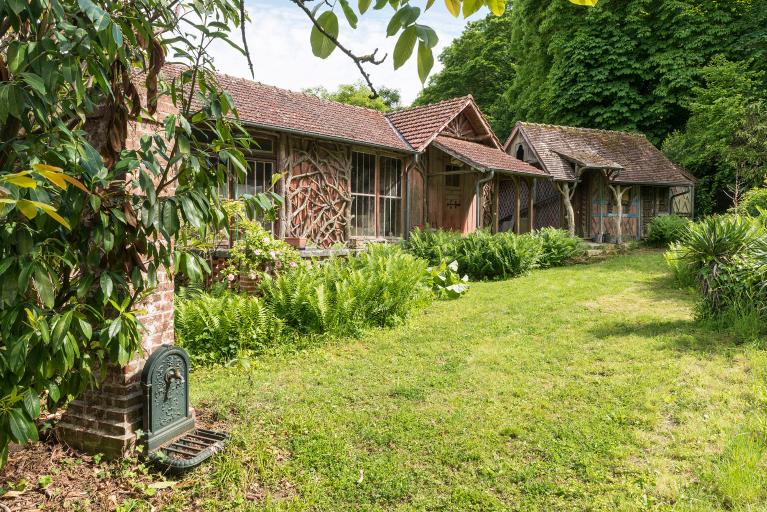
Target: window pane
<point>390,203</point>
<point>363,198</point>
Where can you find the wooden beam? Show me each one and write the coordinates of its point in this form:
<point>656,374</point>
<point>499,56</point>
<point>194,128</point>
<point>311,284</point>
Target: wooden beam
<point>531,203</point>
<point>518,207</point>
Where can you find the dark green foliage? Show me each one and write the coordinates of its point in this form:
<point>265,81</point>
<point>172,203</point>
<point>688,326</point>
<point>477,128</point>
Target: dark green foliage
<point>479,62</point>
<point>724,142</point>
<point>358,94</point>
<point>665,229</point>
<point>558,247</point>
<point>217,328</point>
<point>624,64</point>
<point>481,255</point>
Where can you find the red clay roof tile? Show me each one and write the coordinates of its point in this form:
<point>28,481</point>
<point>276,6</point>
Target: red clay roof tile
<point>485,157</point>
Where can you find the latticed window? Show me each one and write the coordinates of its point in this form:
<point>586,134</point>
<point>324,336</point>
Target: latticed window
<point>376,209</point>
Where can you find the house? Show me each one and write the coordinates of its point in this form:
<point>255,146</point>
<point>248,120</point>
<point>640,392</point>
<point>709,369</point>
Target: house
<point>599,176</point>
<point>351,173</point>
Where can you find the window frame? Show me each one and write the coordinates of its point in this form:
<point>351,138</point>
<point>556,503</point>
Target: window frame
<point>377,196</point>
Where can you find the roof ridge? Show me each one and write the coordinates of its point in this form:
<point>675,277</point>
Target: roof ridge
<point>299,93</point>
<point>600,130</point>
<point>416,107</point>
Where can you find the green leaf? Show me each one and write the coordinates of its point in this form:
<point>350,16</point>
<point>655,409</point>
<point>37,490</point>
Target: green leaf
<point>351,17</point>
<point>404,47</point>
<point>17,6</point>
<point>427,35</point>
<point>115,327</point>
<point>588,3</point>
<point>497,7</point>
<point>86,328</point>
<point>32,403</point>
<point>35,82</point>
<point>95,13</point>
<point>53,392</point>
<point>425,61</point>
<point>363,5</point>
<point>402,18</point>
<point>106,284</point>
<point>322,46</point>
<point>16,53</point>
<point>44,287</point>
<point>22,429</point>
<point>429,3</point>
<point>472,6</point>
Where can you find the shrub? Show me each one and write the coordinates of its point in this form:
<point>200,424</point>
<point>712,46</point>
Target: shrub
<point>220,328</point>
<point>665,229</point>
<point>446,282</point>
<point>433,245</point>
<point>726,257</point>
<point>480,254</point>
<point>256,251</point>
<point>375,288</point>
<point>557,247</point>
<point>752,201</point>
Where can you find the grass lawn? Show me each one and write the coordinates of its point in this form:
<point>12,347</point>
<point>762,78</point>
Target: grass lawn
<point>579,388</point>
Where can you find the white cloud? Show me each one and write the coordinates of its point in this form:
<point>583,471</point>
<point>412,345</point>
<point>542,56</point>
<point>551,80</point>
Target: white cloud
<point>278,38</point>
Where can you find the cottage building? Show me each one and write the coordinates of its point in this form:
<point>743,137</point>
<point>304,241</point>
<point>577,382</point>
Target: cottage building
<point>352,173</point>
<point>599,176</point>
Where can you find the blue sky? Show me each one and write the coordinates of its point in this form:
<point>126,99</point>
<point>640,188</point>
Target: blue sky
<point>278,38</point>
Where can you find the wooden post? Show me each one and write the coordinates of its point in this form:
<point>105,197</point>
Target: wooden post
<point>496,202</point>
<point>567,199</point>
<point>518,207</point>
<point>618,192</point>
<point>531,203</point>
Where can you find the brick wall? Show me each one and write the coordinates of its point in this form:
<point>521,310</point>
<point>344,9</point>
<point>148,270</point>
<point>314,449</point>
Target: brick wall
<point>106,420</point>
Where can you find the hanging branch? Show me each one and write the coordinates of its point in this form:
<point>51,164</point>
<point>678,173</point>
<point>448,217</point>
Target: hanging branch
<point>245,41</point>
<point>358,60</point>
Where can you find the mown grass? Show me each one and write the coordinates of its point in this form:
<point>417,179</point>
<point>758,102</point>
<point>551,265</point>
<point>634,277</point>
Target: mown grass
<point>578,388</point>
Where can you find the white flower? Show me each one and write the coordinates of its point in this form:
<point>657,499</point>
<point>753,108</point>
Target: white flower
<point>293,264</point>
<point>230,277</point>
<point>257,252</point>
<point>266,240</point>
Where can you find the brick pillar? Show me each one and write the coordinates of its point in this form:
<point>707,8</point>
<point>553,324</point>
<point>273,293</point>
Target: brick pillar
<point>105,420</point>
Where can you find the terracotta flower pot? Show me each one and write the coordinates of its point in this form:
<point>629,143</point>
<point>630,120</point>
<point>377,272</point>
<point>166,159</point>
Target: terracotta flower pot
<point>299,242</point>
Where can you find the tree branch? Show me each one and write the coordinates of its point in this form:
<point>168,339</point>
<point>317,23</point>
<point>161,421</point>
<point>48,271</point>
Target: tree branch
<point>245,41</point>
<point>357,59</point>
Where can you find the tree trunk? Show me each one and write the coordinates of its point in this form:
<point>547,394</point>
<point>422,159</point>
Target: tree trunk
<point>567,194</point>
<point>618,192</point>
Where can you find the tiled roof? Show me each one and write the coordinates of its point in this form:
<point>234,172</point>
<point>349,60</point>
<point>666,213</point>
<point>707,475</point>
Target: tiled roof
<point>266,106</point>
<point>484,157</point>
<point>640,162</point>
<point>419,125</point>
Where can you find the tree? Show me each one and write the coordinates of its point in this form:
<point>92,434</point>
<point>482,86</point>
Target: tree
<point>359,94</point>
<point>724,142</point>
<point>624,64</point>
<point>88,222</point>
<point>480,63</point>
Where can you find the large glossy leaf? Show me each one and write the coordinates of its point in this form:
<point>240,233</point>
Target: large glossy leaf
<point>497,7</point>
<point>425,61</point>
<point>454,6</point>
<point>351,17</point>
<point>322,46</point>
<point>404,47</point>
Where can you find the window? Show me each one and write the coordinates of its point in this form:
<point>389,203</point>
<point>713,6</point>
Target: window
<point>520,152</point>
<point>376,196</point>
<point>390,196</point>
<point>453,179</point>
<point>258,178</point>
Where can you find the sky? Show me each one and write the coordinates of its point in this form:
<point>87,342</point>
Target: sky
<point>278,38</point>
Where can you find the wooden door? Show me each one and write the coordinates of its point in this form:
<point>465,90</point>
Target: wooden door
<point>452,209</point>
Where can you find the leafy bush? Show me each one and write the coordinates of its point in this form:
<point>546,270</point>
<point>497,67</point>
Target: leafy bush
<point>256,251</point>
<point>726,257</point>
<point>433,245</point>
<point>375,288</point>
<point>483,255</point>
<point>752,201</point>
<point>220,328</point>
<point>446,282</point>
<point>665,229</point>
<point>557,247</point>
